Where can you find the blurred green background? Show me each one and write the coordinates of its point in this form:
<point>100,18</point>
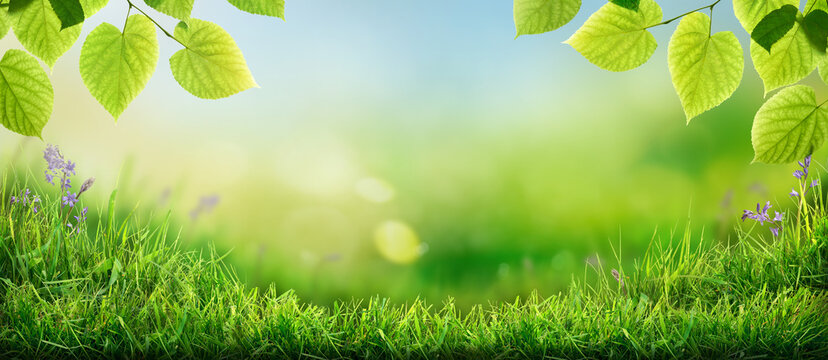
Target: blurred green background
<point>415,149</point>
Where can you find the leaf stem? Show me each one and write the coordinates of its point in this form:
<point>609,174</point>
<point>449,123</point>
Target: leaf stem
<point>169,35</point>
<point>685,14</point>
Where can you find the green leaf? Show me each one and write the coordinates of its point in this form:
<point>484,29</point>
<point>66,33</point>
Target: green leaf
<point>211,66</point>
<point>812,5</point>
<point>5,22</point>
<point>823,70</point>
<point>116,66</point>
<point>18,5</point>
<point>791,59</point>
<point>750,12</point>
<point>70,12</point>
<point>38,28</point>
<point>628,4</point>
<point>774,26</point>
<point>705,69</point>
<point>615,38</point>
<point>789,126</point>
<point>275,8</point>
<point>90,7</point>
<point>26,95</point>
<point>815,25</point>
<point>540,16</point>
<point>179,9</point>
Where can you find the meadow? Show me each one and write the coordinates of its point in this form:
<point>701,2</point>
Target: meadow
<point>81,283</point>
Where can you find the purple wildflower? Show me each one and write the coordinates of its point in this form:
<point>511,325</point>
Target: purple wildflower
<point>205,204</point>
<point>86,185</point>
<point>70,199</point>
<point>814,183</point>
<point>53,157</point>
<point>761,215</point>
<point>82,216</point>
<point>793,193</point>
<point>805,164</point>
<point>58,167</point>
<point>69,167</point>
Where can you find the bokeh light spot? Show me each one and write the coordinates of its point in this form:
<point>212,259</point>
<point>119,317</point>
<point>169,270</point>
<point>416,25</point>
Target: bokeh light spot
<point>397,242</point>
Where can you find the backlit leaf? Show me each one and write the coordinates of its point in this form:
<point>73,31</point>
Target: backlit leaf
<point>705,69</point>
<point>615,38</point>
<point>179,9</point>
<point>275,8</point>
<point>5,22</point>
<point>26,95</point>
<point>70,12</point>
<point>540,16</point>
<point>211,66</point>
<point>90,7</point>
<point>791,59</point>
<point>774,26</point>
<point>789,126</point>
<point>38,28</point>
<point>815,25</point>
<point>116,66</point>
<point>750,12</point>
<point>629,4</point>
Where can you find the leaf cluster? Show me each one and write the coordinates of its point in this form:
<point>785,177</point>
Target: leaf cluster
<point>787,44</point>
<point>115,62</point>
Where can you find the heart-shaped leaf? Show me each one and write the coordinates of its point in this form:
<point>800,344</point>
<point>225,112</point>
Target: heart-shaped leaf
<point>789,126</point>
<point>39,29</point>
<point>615,38</point>
<point>774,26</point>
<point>70,12</point>
<point>705,69</point>
<point>116,66</point>
<point>540,16</point>
<point>26,95</point>
<point>211,66</point>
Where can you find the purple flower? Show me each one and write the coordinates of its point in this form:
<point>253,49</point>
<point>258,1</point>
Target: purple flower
<point>778,216</point>
<point>66,184</point>
<point>205,204</point>
<point>70,199</point>
<point>793,193</point>
<point>69,167</point>
<point>814,183</point>
<point>86,185</point>
<point>53,157</point>
<point>58,167</point>
<point>761,215</point>
<point>805,164</point>
<point>82,216</point>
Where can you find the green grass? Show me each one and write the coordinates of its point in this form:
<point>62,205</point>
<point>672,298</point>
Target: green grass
<point>125,289</point>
